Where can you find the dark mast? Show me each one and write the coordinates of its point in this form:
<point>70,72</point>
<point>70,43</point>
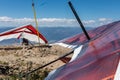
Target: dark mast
<point>78,19</point>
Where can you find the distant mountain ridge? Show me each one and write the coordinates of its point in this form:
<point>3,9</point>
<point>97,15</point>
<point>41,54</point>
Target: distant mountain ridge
<point>53,33</point>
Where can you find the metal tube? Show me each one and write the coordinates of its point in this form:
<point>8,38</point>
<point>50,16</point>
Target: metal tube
<point>78,19</point>
<point>48,63</point>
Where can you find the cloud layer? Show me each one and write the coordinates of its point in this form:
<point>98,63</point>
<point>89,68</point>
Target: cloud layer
<point>51,22</point>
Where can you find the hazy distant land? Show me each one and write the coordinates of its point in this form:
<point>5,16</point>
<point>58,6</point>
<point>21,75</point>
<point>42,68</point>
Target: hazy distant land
<point>52,34</point>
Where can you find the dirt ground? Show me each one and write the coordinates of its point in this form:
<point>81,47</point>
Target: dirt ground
<point>22,58</point>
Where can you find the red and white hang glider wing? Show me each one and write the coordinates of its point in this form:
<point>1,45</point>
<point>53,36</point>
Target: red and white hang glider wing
<point>28,32</point>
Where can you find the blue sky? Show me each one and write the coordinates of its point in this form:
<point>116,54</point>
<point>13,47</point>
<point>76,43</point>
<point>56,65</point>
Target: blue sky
<point>57,12</point>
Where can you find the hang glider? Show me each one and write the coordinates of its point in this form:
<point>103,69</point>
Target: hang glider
<point>27,31</point>
<point>98,58</point>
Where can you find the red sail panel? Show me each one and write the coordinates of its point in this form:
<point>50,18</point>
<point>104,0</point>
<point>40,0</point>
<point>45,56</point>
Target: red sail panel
<point>81,38</point>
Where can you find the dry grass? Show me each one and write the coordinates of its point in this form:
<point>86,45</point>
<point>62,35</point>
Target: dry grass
<point>23,59</point>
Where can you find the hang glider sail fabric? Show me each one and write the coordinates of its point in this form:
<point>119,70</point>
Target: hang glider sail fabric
<point>80,39</point>
<point>98,59</point>
<point>28,32</point>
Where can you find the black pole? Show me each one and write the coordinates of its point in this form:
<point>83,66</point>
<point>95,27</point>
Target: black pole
<point>48,64</point>
<point>78,19</point>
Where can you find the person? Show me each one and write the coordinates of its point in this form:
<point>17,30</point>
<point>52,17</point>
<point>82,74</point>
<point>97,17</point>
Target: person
<point>25,41</point>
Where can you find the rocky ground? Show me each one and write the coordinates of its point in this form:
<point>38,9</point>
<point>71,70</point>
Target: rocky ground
<point>23,59</point>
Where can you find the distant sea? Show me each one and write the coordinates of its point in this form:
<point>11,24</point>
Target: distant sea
<point>52,34</point>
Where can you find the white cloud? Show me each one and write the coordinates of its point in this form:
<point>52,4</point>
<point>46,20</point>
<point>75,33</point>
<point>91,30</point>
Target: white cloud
<point>102,19</point>
<point>89,22</point>
<point>5,19</point>
<point>51,22</point>
<point>54,22</point>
